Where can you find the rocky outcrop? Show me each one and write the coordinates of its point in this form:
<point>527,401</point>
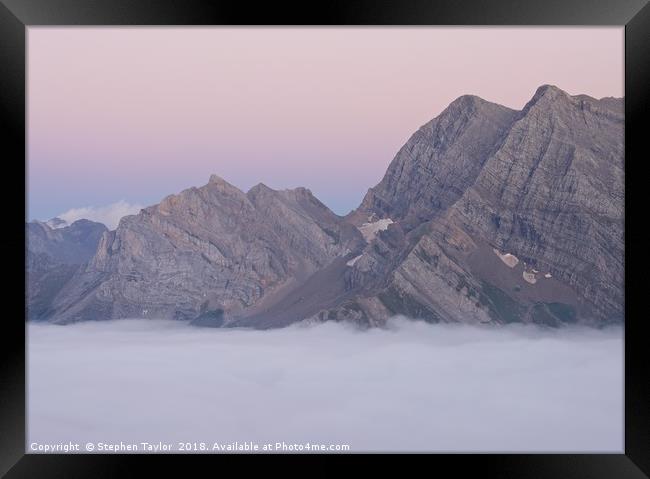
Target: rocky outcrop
<point>486,215</point>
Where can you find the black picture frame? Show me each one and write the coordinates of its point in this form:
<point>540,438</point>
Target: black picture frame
<point>17,15</point>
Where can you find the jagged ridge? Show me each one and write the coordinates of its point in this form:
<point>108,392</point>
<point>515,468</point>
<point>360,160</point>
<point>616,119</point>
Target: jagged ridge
<point>544,184</point>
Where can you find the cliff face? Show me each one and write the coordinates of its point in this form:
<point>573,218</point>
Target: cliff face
<point>486,214</point>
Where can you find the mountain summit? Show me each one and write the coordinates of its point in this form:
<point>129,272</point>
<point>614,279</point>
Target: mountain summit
<point>486,215</point>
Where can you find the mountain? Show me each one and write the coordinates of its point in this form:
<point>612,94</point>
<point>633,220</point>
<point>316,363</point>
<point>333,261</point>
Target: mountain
<point>485,215</point>
<point>206,251</point>
<point>543,185</point>
<point>54,252</point>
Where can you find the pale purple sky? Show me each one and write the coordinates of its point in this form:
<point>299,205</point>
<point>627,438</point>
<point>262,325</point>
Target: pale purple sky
<point>135,114</point>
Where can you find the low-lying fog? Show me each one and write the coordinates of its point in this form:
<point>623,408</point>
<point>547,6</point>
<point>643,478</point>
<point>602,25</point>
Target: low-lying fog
<point>413,387</point>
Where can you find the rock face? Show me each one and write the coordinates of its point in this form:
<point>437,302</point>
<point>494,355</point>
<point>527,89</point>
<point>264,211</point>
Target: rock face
<point>486,215</point>
<point>439,162</point>
<point>52,257</point>
<point>544,185</point>
<point>207,249</point>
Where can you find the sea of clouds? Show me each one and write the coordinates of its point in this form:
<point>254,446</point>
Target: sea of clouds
<point>410,387</point>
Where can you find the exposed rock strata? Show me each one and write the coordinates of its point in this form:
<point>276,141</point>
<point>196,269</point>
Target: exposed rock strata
<point>543,185</point>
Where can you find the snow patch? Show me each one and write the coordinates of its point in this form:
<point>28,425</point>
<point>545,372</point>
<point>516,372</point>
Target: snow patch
<point>548,275</point>
<point>353,260</point>
<point>509,259</point>
<point>530,277</point>
<point>370,230</point>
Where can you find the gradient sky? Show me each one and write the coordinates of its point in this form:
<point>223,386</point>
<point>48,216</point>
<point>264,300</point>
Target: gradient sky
<point>136,114</point>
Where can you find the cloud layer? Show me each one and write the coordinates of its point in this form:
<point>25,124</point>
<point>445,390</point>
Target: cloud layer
<point>109,215</point>
<point>412,387</point>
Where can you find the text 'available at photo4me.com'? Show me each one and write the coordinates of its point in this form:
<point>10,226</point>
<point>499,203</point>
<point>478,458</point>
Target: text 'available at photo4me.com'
<point>189,447</point>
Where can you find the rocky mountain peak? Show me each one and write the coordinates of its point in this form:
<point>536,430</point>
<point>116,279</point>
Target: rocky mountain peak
<point>217,180</point>
<point>258,190</point>
<point>548,89</point>
<point>438,162</point>
<point>486,214</point>
<point>547,99</point>
<point>466,104</point>
<point>217,183</point>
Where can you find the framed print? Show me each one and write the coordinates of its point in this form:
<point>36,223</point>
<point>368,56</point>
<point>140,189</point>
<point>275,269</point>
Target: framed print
<point>368,228</point>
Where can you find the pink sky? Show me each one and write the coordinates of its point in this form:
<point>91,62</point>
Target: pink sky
<point>135,114</point>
